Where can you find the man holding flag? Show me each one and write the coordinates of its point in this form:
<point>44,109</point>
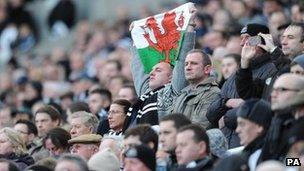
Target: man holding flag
<point>162,41</point>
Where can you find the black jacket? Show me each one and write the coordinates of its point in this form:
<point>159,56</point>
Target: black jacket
<point>276,141</point>
<point>249,86</point>
<point>260,69</point>
<point>204,164</point>
<point>22,161</point>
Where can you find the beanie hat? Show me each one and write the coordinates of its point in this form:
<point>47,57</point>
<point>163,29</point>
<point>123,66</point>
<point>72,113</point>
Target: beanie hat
<point>218,142</point>
<point>144,154</point>
<point>254,29</point>
<point>257,111</point>
<point>299,60</point>
<point>104,160</point>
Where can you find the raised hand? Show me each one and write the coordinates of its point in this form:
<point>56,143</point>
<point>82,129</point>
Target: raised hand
<point>269,45</point>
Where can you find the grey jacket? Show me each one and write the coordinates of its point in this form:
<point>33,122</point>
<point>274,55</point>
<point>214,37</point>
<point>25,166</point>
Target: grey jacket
<point>170,91</point>
<point>194,102</point>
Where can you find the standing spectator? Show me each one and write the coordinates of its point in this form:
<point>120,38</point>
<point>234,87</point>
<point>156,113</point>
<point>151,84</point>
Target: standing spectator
<point>99,102</point>
<point>201,86</point>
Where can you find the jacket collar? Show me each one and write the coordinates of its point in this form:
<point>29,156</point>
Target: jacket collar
<point>207,81</point>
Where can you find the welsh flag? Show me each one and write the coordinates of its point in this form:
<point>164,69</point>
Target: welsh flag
<point>159,38</point>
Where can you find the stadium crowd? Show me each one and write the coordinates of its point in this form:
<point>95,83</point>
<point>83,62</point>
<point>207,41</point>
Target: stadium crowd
<point>234,101</point>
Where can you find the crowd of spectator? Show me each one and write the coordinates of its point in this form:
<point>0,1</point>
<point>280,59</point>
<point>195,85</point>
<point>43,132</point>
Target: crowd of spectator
<point>233,101</point>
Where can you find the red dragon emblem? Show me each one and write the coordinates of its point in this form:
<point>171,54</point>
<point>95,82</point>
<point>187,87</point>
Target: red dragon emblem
<point>169,38</point>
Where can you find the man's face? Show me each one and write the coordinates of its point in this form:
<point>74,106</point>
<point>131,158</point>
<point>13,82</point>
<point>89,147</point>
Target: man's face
<point>79,128</point>
<point>187,149</point>
<point>283,90</point>
<point>84,150</point>
<point>229,66</point>
<point>67,166</point>
<point>160,75</point>
<point>244,39</point>
<point>134,164</point>
<point>95,103</point>
<point>297,69</point>
<point>194,68</point>
<point>167,135</point>
<point>247,131</point>
<point>24,133</point>
<point>131,141</point>
<point>291,41</point>
<point>126,93</point>
<point>44,123</point>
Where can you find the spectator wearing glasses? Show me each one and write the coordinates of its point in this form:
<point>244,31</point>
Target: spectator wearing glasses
<point>28,132</point>
<point>284,89</point>
<point>117,116</point>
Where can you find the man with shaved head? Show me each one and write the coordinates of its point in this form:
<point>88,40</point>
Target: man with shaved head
<point>284,89</point>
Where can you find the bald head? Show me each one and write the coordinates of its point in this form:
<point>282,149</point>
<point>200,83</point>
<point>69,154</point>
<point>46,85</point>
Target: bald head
<point>270,165</point>
<point>285,88</point>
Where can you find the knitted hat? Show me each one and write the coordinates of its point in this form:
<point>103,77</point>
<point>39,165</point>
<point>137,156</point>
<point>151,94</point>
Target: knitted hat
<point>104,160</point>
<point>254,29</point>
<point>299,60</point>
<point>218,142</point>
<point>257,111</point>
<point>144,154</point>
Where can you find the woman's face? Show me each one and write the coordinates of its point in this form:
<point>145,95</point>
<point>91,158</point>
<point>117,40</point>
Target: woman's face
<point>116,117</point>
<point>5,146</point>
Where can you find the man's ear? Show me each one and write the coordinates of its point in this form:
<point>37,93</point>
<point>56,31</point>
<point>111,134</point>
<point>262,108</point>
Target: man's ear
<point>207,69</point>
<point>202,147</point>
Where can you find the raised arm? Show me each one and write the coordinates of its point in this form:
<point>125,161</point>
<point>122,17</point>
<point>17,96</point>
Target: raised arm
<point>140,79</point>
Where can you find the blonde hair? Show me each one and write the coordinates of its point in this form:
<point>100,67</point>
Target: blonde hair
<point>15,139</point>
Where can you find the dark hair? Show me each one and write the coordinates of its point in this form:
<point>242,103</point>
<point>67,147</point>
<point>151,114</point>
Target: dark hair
<point>300,25</point>
<point>79,106</point>
<point>146,134</point>
<point>199,134</point>
<point>235,56</point>
<point>12,166</point>
<point>205,56</point>
<point>178,119</point>
<point>82,165</point>
<point>15,113</point>
<point>132,88</point>
<point>31,127</point>
<point>51,111</point>
<point>102,92</point>
<point>59,138</point>
<point>69,95</point>
<point>123,102</point>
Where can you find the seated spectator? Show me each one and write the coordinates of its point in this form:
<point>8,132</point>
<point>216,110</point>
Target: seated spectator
<point>28,132</point>
<point>13,148</point>
<point>141,134</point>
<point>83,123</point>
<point>71,162</point>
<point>218,143</point>
<point>117,116</point>
<point>85,145</point>
<point>254,118</point>
<point>230,64</point>
<point>192,148</point>
<point>139,157</point>
<point>104,160</point>
<point>56,142</point>
<point>7,165</point>
<point>297,65</point>
<point>21,115</point>
<point>127,92</point>
<point>112,142</point>
<point>99,101</point>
